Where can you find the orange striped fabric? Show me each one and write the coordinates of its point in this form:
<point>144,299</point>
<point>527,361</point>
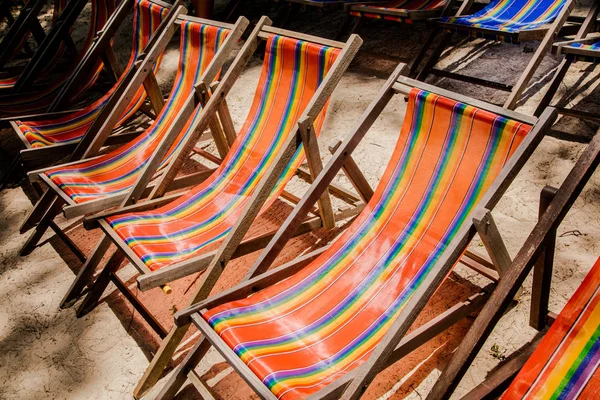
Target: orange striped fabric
<point>565,364</point>
<point>304,332</point>
<point>71,128</point>
<point>292,72</point>
<point>117,171</point>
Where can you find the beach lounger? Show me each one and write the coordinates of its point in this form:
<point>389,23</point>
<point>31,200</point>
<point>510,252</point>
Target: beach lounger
<point>560,363</point>
<point>537,253</point>
<point>512,21</point>
<point>324,326</point>
<point>34,88</point>
<point>49,136</point>
<point>584,47</point>
<point>170,242</point>
<point>99,182</point>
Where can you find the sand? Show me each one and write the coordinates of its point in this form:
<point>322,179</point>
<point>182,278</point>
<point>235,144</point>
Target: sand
<point>49,353</point>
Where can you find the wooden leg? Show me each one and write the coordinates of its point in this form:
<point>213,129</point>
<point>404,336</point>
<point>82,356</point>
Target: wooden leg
<point>160,360</point>
<point>85,273</point>
<point>42,227</point>
<point>100,284</point>
<point>8,172</point>
<point>542,270</point>
<point>421,54</point>
<point>169,344</point>
<point>563,67</point>
<point>434,57</point>
<point>38,211</point>
<point>180,374</point>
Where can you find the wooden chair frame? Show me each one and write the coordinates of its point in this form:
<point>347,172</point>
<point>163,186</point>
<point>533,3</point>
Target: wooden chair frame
<point>58,34</point>
<point>546,34</point>
<point>233,245</point>
<point>25,23</point>
<point>141,73</point>
<point>537,253</point>
<point>53,200</point>
<point>395,343</point>
<point>583,36</point>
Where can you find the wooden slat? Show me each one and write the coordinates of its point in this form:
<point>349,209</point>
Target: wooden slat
<point>520,268</point>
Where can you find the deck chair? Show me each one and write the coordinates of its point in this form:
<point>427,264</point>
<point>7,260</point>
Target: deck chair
<point>34,88</point>
<point>504,20</point>
<point>52,135</point>
<point>536,254</point>
<point>299,73</point>
<point>86,185</point>
<point>562,362</point>
<point>584,47</point>
<point>23,27</point>
<point>46,137</point>
<point>324,325</point>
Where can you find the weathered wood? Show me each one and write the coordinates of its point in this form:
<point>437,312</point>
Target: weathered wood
<point>491,239</point>
<point>521,266</point>
<point>26,20</point>
<point>542,270</point>
<point>355,176</point>
<point>562,69</point>
<point>543,48</point>
<point>227,122</point>
<point>315,166</point>
<point>154,94</point>
<point>232,358</point>
<point>203,94</point>
<point>496,383</point>
<point>50,45</point>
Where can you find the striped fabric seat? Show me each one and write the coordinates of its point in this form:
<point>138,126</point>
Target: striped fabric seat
<point>33,102</point>
<point>292,71</point>
<point>508,16</point>
<point>377,11</point>
<point>70,128</point>
<point>565,364</point>
<point>301,334</point>
<point>116,171</point>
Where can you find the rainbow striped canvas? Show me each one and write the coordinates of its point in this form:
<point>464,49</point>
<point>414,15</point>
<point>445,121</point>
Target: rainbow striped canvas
<point>508,16</point>
<point>565,364</point>
<point>116,172</point>
<point>71,128</point>
<point>32,102</point>
<point>292,71</point>
<point>406,5</point>
<point>304,332</point>
<point>595,47</point>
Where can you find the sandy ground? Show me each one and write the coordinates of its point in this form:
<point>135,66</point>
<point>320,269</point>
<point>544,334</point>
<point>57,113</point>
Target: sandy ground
<point>48,353</point>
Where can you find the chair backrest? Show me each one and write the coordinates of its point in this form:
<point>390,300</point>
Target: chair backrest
<point>448,155</point>
<point>147,17</point>
<point>514,15</point>
<point>292,72</point>
<point>198,44</point>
